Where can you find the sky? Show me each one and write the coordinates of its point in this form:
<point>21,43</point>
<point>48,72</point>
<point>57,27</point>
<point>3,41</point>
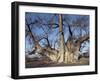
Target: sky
<point>53,33</point>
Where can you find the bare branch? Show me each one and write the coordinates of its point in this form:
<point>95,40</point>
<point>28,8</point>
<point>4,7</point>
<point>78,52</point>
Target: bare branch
<point>82,39</point>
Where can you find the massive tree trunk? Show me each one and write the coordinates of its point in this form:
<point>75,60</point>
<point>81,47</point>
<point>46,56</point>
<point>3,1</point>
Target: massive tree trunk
<point>73,48</point>
<point>67,50</point>
<point>61,57</point>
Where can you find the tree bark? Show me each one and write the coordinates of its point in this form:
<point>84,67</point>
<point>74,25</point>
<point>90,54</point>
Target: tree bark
<point>62,43</point>
<point>73,48</point>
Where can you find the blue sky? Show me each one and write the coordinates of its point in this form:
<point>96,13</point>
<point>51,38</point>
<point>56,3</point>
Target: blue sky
<point>53,34</point>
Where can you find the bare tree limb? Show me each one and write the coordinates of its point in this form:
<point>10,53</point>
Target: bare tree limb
<point>82,39</point>
<point>31,34</point>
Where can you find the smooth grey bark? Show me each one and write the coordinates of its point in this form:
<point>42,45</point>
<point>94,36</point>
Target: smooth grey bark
<point>61,57</point>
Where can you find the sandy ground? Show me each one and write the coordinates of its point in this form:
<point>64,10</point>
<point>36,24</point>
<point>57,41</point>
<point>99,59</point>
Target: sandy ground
<point>46,62</point>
